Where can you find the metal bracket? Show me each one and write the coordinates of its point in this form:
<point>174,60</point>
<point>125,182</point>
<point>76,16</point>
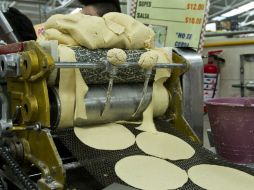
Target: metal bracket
<point>10,65</point>
<point>193,90</point>
<point>5,122</point>
<point>148,76</point>
<point>113,73</point>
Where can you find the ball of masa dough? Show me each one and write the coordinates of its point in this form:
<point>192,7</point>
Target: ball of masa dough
<point>116,56</point>
<point>148,60</point>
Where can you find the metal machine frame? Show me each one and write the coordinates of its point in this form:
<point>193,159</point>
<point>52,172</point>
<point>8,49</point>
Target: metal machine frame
<point>26,67</point>
<point>193,91</point>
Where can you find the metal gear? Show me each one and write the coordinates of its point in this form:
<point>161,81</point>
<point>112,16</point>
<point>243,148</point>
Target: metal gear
<point>26,182</point>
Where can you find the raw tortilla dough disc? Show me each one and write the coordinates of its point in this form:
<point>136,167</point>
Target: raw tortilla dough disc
<point>215,177</point>
<point>164,145</point>
<point>106,137</point>
<point>150,173</point>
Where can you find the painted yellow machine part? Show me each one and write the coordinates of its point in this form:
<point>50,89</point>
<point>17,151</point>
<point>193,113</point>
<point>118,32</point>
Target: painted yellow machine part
<point>175,110</point>
<point>39,149</point>
<point>30,91</point>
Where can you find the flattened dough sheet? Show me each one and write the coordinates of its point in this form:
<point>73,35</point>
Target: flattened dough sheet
<point>150,173</point>
<point>164,145</point>
<point>160,96</point>
<point>213,177</point>
<point>72,90</point>
<point>106,137</point>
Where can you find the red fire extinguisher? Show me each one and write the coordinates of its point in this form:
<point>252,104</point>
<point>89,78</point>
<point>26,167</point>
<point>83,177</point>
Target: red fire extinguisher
<point>212,75</point>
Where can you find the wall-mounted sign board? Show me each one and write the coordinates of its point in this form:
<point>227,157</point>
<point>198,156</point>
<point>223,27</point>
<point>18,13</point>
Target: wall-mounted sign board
<point>177,23</point>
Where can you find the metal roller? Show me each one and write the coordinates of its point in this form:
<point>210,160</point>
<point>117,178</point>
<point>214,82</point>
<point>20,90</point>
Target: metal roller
<point>9,65</point>
<point>101,75</point>
<point>95,69</point>
<point>124,102</point>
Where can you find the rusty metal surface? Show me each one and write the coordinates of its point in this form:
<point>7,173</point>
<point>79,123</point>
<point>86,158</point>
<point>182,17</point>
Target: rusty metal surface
<point>11,48</point>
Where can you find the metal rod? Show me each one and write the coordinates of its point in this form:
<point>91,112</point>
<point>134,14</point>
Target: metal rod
<point>72,165</point>
<point>103,65</point>
<point>113,73</point>
<point>148,76</point>
<point>171,65</point>
<point>68,158</point>
<point>35,175</point>
<point>6,30</point>
<point>79,65</point>
<point>213,34</point>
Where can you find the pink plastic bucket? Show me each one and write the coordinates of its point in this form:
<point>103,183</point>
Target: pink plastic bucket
<point>232,124</point>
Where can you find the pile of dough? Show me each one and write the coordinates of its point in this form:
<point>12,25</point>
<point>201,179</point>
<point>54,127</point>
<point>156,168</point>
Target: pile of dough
<point>164,145</point>
<point>113,30</point>
<point>220,178</point>
<point>53,34</point>
<point>150,173</point>
<point>135,35</point>
<point>160,96</point>
<point>106,137</point>
<point>116,56</point>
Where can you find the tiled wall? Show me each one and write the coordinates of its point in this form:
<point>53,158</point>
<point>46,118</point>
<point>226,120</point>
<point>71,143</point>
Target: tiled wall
<point>230,71</point>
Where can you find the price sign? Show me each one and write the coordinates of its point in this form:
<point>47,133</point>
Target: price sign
<point>177,23</point>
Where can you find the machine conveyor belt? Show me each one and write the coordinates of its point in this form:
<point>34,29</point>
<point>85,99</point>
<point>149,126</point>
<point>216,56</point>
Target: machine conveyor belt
<point>100,164</point>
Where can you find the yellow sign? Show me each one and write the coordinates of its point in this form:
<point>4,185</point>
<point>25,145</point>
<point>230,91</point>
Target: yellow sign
<point>177,23</point>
